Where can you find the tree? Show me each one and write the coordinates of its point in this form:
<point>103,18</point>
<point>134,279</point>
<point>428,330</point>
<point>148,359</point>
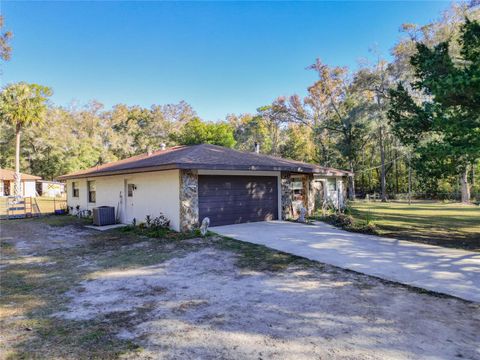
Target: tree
<point>273,119</point>
<point>22,105</point>
<point>443,29</point>
<point>250,129</point>
<point>90,136</point>
<point>198,132</point>
<point>221,134</point>
<point>444,123</point>
<point>166,120</point>
<point>375,82</point>
<point>5,37</point>
<point>48,154</point>
<point>298,144</point>
<point>335,115</point>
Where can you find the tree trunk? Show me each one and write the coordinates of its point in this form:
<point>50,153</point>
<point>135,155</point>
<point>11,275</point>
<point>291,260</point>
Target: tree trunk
<point>397,190</point>
<point>351,183</point>
<point>383,175</point>
<point>465,186</point>
<point>473,175</point>
<point>17,179</point>
<point>409,180</point>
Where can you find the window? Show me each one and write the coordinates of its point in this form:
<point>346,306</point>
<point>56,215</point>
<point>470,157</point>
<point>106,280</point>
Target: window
<point>298,192</point>
<point>332,184</point>
<point>91,191</point>
<point>75,189</point>
<point>130,188</point>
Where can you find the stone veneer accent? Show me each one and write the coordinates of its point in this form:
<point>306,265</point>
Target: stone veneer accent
<point>286,196</point>
<point>188,200</point>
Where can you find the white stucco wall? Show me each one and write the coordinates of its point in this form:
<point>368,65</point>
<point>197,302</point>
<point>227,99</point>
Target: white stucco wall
<point>81,200</point>
<point>29,188</point>
<point>156,192</point>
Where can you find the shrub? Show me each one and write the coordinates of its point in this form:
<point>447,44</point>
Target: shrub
<point>158,228</point>
<point>160,222</point>
<point>340,220</point>
<point>364,227</point>
<point>347,222</point>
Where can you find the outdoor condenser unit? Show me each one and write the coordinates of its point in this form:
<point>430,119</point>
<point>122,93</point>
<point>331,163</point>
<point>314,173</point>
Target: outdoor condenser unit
<point>104,215</point>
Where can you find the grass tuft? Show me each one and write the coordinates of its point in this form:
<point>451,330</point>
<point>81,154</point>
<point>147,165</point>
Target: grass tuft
<point>259,257</point>
<point>63,220</point>
<point>161,233</point>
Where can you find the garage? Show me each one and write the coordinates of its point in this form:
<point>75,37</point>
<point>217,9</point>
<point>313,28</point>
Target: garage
<point>237,199</point>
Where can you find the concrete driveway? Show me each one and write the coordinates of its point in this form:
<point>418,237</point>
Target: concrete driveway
<point>448,271</point>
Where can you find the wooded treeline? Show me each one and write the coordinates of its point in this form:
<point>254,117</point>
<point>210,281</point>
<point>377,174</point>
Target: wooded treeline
<point>374,121</point>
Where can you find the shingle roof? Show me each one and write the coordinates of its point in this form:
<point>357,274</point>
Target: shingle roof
<point>6,174</point>
<point>204,156</point>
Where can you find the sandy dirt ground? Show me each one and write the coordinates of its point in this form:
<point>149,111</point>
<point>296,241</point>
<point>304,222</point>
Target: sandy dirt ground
<point>202,305</point>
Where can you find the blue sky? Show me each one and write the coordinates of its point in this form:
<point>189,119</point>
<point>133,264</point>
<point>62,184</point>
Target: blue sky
<point>221,57</point>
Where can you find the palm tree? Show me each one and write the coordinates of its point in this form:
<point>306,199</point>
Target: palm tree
<point>22,105</point>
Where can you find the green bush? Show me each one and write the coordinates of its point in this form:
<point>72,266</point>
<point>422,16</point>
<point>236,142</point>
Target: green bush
<point>340,220</point>
<point>347,222</point>
<point>160,232</point>
<point>366,227</point>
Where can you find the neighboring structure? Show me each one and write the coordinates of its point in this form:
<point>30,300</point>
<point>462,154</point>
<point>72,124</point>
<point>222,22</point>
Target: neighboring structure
<point>189,183</point>
<point>50,188</point>
<point>27,185</point>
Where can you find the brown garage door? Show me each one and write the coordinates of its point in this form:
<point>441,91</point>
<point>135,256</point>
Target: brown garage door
<point>237,199</point>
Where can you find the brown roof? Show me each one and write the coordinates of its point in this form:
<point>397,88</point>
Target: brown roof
<point>6,174</point>
<point>204,156</point>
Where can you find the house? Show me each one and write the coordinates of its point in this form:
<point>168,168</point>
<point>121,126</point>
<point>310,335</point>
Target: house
<point>27,184</point>
<point>189,183</point>
<point>50,188</point>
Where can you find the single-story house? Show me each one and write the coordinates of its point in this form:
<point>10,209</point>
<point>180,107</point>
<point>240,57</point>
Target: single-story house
<point>27,184</point>
<point>189,183</point>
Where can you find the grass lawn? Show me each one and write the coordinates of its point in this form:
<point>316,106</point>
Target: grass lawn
<point>444,224</point>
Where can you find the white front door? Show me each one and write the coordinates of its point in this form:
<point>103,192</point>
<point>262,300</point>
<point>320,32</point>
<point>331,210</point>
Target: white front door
<point>129,201</point>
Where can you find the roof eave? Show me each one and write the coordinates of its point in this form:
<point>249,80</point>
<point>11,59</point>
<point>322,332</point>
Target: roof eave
<point>196,166</point>
<point>22,178</point>
<point>245,167</point>
<point>117,172</point>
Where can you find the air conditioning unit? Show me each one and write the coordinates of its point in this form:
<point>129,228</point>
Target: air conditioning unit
<point>104,215</point>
